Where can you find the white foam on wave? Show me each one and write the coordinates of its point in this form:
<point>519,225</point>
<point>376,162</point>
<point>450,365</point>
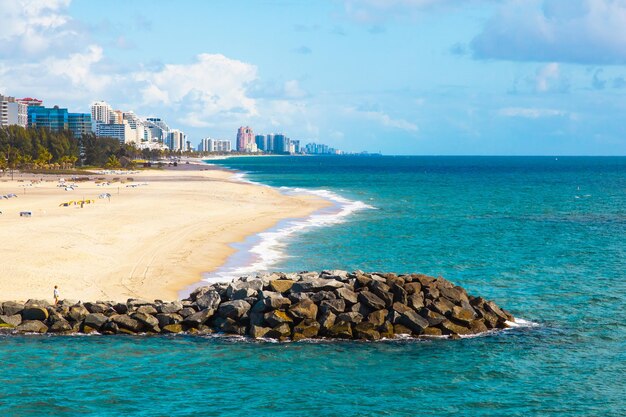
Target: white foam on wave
<point>267,248</point>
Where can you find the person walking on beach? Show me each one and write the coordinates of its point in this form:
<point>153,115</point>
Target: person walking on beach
<point>56,295</point>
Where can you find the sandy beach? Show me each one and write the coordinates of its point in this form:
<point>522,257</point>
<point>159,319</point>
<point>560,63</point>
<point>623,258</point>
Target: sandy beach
<point>149,241</point>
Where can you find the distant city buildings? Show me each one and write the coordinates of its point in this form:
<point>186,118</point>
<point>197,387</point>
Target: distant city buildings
<point>177,140</point>
<point>215,145</point>
<point>13,111</point>
<point>245,140</point>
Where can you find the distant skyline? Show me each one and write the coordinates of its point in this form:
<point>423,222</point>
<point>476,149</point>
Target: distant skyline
<point>488,77</point>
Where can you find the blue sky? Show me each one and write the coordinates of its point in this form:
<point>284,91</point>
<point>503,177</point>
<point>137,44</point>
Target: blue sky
<point>490,77</point>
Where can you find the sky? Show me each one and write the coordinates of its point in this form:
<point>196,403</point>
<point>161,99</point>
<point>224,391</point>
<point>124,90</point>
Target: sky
<point>433,77</point>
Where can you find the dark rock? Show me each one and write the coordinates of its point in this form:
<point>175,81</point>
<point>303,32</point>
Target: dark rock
<point>337,306</point>
<point>306,329</point>
<point>413,321</point>
<point>281,285</point>
<point>187,311</point>
<point>148,310</point>
<point>413,288</point>
<point>196,319</point>
<point>305,309</point>
<point>462,316</point>
<point>442,306</point>
<point>277,317</point>
<point>361,308</point>
<point>431,292</point>
<point>256,319</point>
<point>34,313</point>
<point>400,329</point>
<point>327,320</point>
<point>133,303</point>
<point>351,317</point>
<point>243,293</point>
<point>149,322</point>
<point>31,326</point>
<point>454,294</point>
<point>416,301</point>
<point>432,317</point>
<point>347,295</point>
<point>478,326</point>
<point>281,332</point>
<point>230,326</point>
<point>36,303</point>
<point>10,321</point>
<point>97,308</point>
<point>172,308</point>
<point>95,320</point>
<point>378,317</point>
<point>234,309</point>
<point>120,308</point>
<point>449,327</point>
<point>491,307</point>
<point>386,330</point>
<point>399,294</point>
<point>125,322</point>
<point>366,331</point>
<point>317,297</point>
<point>432,331</point>
<point>258,332</point>
<point>11,308</point>
<point>60,326</point>
<point>371,300</point>
<point>109,328</point>
<point>341,330</point>
<point>363,280</point>
<point>275,300</point>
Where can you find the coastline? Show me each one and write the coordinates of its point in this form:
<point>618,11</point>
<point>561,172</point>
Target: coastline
<point>149,241</point>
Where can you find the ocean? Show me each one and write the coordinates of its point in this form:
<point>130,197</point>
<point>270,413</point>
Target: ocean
<point>544,237</point>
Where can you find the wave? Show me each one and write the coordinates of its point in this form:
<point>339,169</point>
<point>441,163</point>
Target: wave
<point>264,250</point>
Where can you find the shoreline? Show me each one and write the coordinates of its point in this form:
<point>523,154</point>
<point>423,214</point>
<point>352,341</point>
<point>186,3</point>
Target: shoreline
<point>216,213</point>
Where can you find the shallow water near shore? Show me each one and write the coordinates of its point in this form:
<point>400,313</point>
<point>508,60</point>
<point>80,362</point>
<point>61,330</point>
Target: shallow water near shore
<point>543,237</point>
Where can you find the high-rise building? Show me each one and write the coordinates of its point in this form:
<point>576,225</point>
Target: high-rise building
<point>261,142</point>
<point>177,140</point>
<point>119,131</point>
<point>137,125</point>
<point>157,129</point>
<point>245,139</point>
<point>13,112</point>
<point>101,112</point>
<point>269,143</point>
<point>79,124</point>
<point>281,143</point>
<point>296,146</point>
<point>116,116</point>
<point>215,145</point>
<point>54,118</point>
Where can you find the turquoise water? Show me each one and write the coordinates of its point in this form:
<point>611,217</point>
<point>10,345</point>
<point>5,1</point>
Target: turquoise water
<point>543,237</point>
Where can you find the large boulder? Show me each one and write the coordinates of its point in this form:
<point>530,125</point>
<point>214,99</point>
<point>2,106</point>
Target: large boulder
<point>281,285</point>
<point>371,300</point>
<point>316,284</point>
<point>147,309</point>
<point>10,308</point>
<point>450,328</point>
<point>327,320</point>
<point>10,321</point>
<point>350,317</point>
<point>341,330</point>
<point>126,322</point>
<point>60,326</point>
<point>258,332</point>
<point>337,306</point>
<point>171,308</point>
<point>78,312</point>
<point>366,331</point>
<point>277,317</point>
<point>235,310</point>
<point>281,332</point>
<point>31,326</point>
<point>196,319</point>
<point>378,317</point>
<point>149,322</point>
<point>346,294</point>
<point>35,313</point>
<point>95,320</point>
<point>306,329</point>
<point>97,308</point>
<point>172,328</point>
<point>168,318</point>
<point>274,300</point>
<point>305,309</point>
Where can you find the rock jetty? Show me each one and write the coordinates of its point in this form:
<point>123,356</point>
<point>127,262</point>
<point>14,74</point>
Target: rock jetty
<point>331,304</point>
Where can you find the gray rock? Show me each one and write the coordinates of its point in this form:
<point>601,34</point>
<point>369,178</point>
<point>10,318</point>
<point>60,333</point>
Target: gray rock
<point>234,309</point>
<point>371,300</point>
<point>120,308</point>
<point>230,326</point>
<point>276,317</point>
<point>150,323</point>
<point>10,321</point>
<point>201,317</point>
<point>315,285</point>
<point>378,317</point>
<point>168,318</point>
<point>399,294</point>
<point>351,317</point>
<point>31,326</point>
<point>327,320</point>
<point>36,303</point>
<point>210,299</point>
<point>187,311</point>
<point>173,307</point>
<point>97,308</point>
<point>337,306</point>
<point>11,308</point>
<point>109,328</point>
<point>347,295</point>
<point>413,321</point>
<point>274,300</point>
<point>243,293</point>
<point>95,320</point>
<point>124,321</point>
<point>133,303</point>
<point>60,326</point>
<point>305,309</point>
<point>281,332</point>
<point>319,296</point>
<point>147,309</point>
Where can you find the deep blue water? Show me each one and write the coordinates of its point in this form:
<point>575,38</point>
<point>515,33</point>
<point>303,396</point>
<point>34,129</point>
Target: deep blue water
<point>543,237</point>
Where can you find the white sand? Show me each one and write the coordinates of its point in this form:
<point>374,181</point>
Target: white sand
<point>147,242</point>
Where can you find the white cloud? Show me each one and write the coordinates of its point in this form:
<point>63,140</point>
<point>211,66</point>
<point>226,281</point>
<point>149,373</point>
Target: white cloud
<point>531,113</point>
<point>575,31</point>
<point>546,76</point>
<point>212,85</point>
<point>384,119</point>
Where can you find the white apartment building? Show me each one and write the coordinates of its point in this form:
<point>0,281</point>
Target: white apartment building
<point>215,145</point>
<point>101,113</point>
<point>120,131</point>
<point>13,112</point>
<point>177,140</point>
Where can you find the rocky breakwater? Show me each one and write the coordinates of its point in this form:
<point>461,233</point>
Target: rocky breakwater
<point>331,304</point>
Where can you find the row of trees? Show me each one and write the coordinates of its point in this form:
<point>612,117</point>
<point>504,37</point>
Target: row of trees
<point>44,149</point>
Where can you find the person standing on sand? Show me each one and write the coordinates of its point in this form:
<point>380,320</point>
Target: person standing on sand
<point>56,295</point>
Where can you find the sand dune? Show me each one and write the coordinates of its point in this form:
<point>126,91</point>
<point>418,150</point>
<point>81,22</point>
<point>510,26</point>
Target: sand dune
<point>149,241</point>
